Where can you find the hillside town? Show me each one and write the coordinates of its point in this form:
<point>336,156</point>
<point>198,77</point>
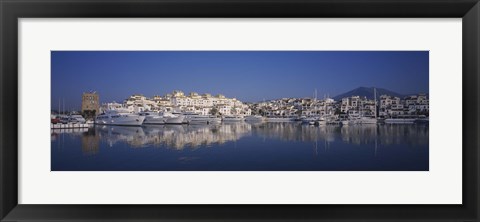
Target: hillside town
<point>207,104</point>
<point>178,101</point>
<point>194,108</point>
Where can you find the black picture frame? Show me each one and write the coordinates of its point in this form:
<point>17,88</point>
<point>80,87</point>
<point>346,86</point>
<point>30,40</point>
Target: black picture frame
<point>12,10</point>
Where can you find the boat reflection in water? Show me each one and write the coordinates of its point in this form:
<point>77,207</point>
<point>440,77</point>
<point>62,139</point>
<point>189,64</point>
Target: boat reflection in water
<point>243,146</point>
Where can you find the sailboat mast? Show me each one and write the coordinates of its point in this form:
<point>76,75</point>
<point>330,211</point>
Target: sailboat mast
<point>315,103</point>
<point>375,98</point>
<point>324,105</point>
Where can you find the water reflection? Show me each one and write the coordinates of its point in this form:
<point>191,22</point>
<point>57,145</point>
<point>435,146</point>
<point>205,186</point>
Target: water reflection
<point>358,134</point>
<point>193,136</point>
<point>242,146</point>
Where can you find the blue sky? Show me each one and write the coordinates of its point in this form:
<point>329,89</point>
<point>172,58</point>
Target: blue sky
<point>247,75</point>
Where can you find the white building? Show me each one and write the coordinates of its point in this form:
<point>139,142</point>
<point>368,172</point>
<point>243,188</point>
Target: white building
<point>193,102</point>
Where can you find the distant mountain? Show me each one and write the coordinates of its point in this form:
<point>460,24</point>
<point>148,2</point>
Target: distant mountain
<point>368,92</point>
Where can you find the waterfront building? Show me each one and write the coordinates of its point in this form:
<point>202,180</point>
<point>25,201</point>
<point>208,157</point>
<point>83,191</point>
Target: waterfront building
<point>357,105</point>
<point>386,100</point>
<point>139,103</point>
<point>162,101</point>
<point>206,104</point>
<point>417,104</point>
<point>224,109</point>
<point>394,106</point>
<point>111,106</point>
<point>178,101</point>
<point>90,104</point>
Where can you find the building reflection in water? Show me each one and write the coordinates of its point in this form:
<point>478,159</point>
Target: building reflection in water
<point>174,136</point>
<point>356,134</point>
<point>90,142</point>
<point>194,136</point>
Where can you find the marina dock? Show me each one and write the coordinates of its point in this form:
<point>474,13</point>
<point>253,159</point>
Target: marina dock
<point>69,125</point>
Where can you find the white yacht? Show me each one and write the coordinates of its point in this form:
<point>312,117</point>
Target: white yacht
<point>198,119</point>
<point>116,117</point>
<point>254,118</point>
<point>214,120</point>
<point>365,120</point>
<point>76,119</point>
<point>188,116</point>
<point>153,118</point>
<point>310,120</point>
<point>235,118</point>
<point>321,121</point>
<point>352,120</point>
<point>173,118</point>
<point>344,120</point>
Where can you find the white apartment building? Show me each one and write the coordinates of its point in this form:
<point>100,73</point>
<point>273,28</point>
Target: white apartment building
<point>413,104</point>
<point>358,105</point>
<point>193,102</point>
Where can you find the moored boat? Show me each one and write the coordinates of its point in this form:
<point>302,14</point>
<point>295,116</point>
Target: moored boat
<point>195,118</point>
<point>365,120</point>
<point>115,117</point>
<point>77,119</point>
<point>321,122</point>
<point>254,118</point>
<point>214,120</point>
<point>234,118</point>
<point>310,120</point>
<point>54,119</point>
<point>173,118</point>
<point>153,118</point>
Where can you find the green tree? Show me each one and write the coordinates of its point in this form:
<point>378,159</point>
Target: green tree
<point>89,114</point>
<point>261,112</point>
<point>338,111</point>
<point>214,111</point>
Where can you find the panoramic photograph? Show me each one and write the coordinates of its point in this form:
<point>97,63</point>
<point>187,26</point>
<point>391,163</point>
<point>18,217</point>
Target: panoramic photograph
<point>239,111</point>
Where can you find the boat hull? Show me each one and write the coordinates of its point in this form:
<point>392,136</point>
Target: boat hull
<point>233,120</point>
<point>254,119</point>
<point>214,120</point>
<point>203,120</point>
<point>122,121</point>
<point>154,120</point>
<point>310,121</point>
<point>174,120</point>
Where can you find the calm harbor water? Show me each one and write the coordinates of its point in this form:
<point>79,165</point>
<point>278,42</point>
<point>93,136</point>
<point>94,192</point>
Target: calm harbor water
<point>242,147</point>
